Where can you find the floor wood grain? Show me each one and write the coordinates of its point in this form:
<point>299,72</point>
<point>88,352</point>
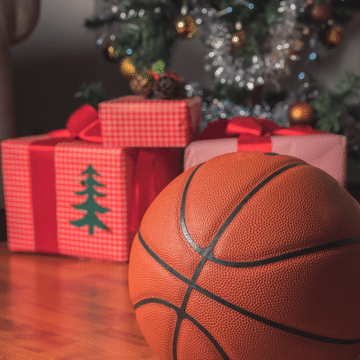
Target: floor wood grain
<point>55,307</point>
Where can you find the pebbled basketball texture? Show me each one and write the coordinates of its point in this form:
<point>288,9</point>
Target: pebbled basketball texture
<point>249,256</point>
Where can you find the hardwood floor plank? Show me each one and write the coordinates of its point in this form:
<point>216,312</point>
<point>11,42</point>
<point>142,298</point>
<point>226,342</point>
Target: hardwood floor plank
<point>9,351</point>
<point>81,351</point>
<point>62,308</point>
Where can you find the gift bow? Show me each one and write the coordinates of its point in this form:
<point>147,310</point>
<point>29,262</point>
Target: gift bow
<point>255,134</point>
<point>263,127</point>
<point>83,123</point>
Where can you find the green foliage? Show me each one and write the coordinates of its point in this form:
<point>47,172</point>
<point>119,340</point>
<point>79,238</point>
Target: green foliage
<point>147,38</point>
<point>158,67</point>
<point>92,94</point>
<point>150,37</point>
<point>331,104</point>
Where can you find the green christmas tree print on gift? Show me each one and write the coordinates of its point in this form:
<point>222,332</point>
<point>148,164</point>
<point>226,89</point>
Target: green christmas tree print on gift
<point>90,205</point>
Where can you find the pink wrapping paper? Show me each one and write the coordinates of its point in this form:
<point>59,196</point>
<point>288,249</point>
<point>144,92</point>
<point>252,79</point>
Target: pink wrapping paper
<point>324,151</point>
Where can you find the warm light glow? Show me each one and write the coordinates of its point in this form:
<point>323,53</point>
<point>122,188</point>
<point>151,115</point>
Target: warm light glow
<point>181,25</point>
<point>296,113</point>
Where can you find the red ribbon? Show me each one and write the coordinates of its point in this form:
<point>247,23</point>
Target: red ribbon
<point>154,169</point>
<point>255,134</point>
<point>42,174</point>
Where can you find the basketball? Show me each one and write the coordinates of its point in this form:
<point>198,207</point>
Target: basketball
<point>249,256</point>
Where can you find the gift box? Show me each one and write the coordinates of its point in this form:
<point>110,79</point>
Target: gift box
<point>68,196</point>
<point>323,150</point>
<point>133,121</point>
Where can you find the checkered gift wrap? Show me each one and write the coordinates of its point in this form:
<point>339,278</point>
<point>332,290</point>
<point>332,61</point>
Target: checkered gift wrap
<point>133,121</point>
<point>324,151</point>
<point>28,187</point>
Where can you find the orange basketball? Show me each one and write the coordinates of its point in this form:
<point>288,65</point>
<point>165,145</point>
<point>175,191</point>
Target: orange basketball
<point>249,256</point>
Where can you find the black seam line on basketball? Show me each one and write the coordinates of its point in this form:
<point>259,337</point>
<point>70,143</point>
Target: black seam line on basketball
<point>285,256</point>
<point>208,250</point>
<point>197,248</point>
<point>183,226</point>
<point>231,217</point>
<point>238,308</point>
<point>184,315</point>
<point>185,301</point>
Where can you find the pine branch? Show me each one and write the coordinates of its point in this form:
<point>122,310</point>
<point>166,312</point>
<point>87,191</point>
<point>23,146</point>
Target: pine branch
<point>331,104</point>
<point>92,94</point>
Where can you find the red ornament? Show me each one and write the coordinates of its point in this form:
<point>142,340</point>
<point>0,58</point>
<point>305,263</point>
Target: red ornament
<point>321,13</point>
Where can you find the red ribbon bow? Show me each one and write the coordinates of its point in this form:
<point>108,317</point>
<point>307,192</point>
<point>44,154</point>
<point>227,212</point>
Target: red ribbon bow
<point>83,123</point>
<point>255,134</point>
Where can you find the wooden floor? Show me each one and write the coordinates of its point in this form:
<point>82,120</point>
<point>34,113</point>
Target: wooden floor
<point>54,307</point>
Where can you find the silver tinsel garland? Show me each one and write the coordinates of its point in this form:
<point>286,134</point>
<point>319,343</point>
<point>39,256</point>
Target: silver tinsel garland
<point>229,69</point>
<point>214,109</point>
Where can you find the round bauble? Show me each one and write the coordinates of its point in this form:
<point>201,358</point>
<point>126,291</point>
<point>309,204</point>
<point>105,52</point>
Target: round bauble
<point>142,83</point>
<point>332,37</point>
<point>127,67</point>
<point>301,113</point>
<point>321,13</point>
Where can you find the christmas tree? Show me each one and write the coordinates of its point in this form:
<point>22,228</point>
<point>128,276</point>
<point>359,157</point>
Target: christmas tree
<point>90,205</point>
<point>251,48</point>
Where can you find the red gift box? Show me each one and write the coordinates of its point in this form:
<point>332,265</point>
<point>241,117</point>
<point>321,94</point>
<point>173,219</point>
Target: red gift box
<point>133,121</point>
<point>72,197</point>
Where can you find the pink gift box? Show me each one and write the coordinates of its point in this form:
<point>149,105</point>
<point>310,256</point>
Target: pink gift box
<point>133,121</point>
<point>324,151</point>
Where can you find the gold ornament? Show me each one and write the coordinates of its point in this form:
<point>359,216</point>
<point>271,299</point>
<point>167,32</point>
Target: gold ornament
<point>127,67</point>
<point>333,37</point>
<point>185,26</point>
<point>142,83</point>
<point>238,40</point>
<point>301,113</point>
